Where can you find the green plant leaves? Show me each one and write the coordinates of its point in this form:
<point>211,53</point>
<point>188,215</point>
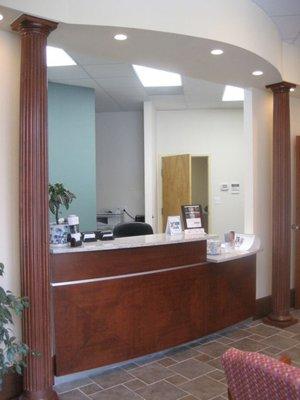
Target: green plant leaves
<point>13,353</point>
<point>59,196</point>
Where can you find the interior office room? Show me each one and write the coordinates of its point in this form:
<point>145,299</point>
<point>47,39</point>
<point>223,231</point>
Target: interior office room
<point>150,170</point>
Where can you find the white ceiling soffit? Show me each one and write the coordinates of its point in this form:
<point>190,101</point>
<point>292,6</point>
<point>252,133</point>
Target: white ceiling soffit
<point>286,16</point>
<point>188,56</point>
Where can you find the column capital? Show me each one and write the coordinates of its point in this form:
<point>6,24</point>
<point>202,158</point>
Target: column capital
<point>281,87</point>
<point>27,23</point>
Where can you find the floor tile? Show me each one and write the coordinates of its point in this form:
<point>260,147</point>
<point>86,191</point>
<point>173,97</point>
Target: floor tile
<point>112,378</point>
<point>293,353</point>
<point>134,384</point>
<point>204,388</point>
<point>191,368</point>
<point>256,337</point>
<point>176,379</point>
<point>161,391</point>
<point>217,375</point>
<point>216,363</point>
<point>264,330</point>
<point>182,354</point>
<point>166,362</point>
<point>151,373</point>
<point>130,366</point>
<point>279,342</point>
<point>238,334</point>
<point>73,395</point>
<point>189,397</point>
<point>213,349</point>
<point>294,328</point>
<point>90,389</point>
<point>203,357</point>
<point>116,393</point>
<point>271,351</point>
<point>66,387</point>
<point>250,345</point>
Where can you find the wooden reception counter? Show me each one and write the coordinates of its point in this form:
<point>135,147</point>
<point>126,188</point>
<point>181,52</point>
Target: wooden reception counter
<point>134,296</point>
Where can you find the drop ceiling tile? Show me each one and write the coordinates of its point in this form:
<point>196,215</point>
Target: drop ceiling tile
<point>86,59</point>
<point>279,7</point>
<point>119,82</point>
<point>69,72</point>
<point>77,82</point>
<point>167,90</point>
<point>169,102</point>
<point>127,93</point>
<point>109,70</point>
<point>289,26</point>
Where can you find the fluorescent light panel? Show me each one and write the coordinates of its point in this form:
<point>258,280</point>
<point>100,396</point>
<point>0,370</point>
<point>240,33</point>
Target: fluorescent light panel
<point>233,93</point>
<point>57,57</point>
<point>151,77</point>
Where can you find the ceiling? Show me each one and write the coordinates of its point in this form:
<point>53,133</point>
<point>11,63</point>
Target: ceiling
<point>286,16</point>
<point>118,88</point>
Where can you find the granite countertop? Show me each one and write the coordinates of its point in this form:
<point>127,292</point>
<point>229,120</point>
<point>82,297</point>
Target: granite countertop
<point>131,242</point>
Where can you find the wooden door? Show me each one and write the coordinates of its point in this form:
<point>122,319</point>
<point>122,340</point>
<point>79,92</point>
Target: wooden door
<point>296,225</point>
<point>176,184</point>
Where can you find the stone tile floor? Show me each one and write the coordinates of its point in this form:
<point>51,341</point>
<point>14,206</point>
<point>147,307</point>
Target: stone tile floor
<point>188,372</point>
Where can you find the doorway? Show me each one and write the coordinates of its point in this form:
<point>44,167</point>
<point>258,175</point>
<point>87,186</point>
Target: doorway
<point>185,180</point>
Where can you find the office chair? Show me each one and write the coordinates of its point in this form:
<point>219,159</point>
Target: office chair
<point>132,229</point>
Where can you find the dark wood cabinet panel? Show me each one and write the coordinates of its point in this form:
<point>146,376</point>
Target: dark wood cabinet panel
<point>95,264</point>
<point>113,320</point>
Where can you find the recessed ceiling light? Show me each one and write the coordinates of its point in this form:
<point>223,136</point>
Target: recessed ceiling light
<point>1,17</point>
<point>233,93</point>
<point>151,77</point>
<point>217,52</point>
<point>292,89</point>
<point>120,36</point>
<point>257,73</point>
<point>57,57</point>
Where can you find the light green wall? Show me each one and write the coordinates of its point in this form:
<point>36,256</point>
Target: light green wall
<point>72,159</point>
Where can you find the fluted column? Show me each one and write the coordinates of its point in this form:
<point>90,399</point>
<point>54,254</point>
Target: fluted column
<point>38,376</point>
<point>280,315</point>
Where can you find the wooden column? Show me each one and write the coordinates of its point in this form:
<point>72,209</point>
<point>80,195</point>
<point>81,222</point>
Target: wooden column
<point>280,315</point>
<point>38,376</point>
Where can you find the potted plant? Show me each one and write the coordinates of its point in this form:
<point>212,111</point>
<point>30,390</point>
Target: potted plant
<point>12,351</point>
<point>59,196</point>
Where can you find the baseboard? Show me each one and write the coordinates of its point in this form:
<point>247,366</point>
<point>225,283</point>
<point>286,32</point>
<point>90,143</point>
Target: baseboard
<point>263,306</point>
<point>12,386</point>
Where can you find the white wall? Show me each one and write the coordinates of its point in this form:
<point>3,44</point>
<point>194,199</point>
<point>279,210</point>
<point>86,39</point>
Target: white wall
<point>9,160</point>
<point>120,161</point>
<point>150,163</point>
<point>218,134</point>
<point>295,131</point>
<point>258,198</point>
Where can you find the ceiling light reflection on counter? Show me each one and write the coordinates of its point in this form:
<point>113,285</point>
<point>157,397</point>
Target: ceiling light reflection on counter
<point>217,52</point>
<point>1,17</point>
<point>233,93</point>
<point>57,57</point>
<point>120,36</point>
<point>151,77</point>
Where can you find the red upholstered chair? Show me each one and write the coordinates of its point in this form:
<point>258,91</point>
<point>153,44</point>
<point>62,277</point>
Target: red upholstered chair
<point>254,376</point>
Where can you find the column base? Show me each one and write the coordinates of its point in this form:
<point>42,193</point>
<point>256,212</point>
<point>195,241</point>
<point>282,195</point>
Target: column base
<point>48,394</point>
<point>280,322</point>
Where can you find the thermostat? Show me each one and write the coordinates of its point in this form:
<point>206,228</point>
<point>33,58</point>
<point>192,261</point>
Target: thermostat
<point>224,187</point>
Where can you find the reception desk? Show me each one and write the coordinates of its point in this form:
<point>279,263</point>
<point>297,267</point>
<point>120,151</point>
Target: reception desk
<point>134,296</point>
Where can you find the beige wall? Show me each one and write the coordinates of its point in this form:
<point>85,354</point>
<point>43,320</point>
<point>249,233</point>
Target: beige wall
<point>9,165</point>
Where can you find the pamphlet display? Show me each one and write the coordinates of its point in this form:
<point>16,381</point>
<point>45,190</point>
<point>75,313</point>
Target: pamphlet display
<point>192,219</point>
<point>173,225</point>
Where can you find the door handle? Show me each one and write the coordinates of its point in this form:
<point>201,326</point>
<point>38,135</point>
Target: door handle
<point>296,227</point>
